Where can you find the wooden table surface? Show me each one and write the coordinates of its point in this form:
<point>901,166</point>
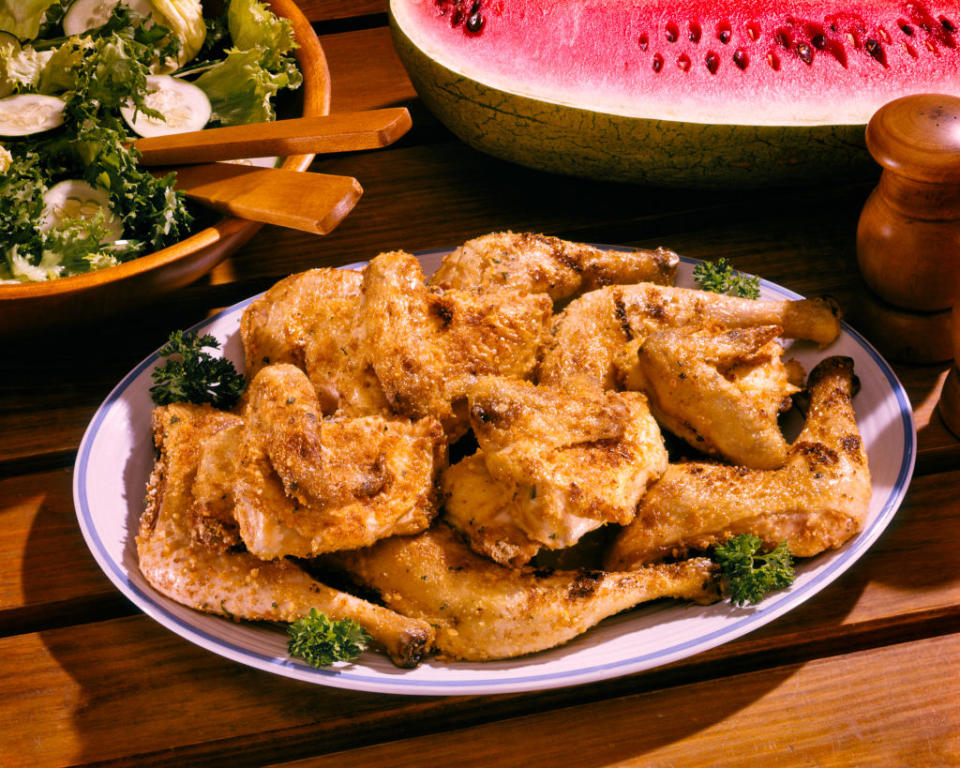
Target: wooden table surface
<point>867,672</point>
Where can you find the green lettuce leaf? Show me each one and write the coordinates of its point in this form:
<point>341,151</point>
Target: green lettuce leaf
<point>22,18</point>
<point>253,25</point>
<point>20,68</point>
<point>241,88</point>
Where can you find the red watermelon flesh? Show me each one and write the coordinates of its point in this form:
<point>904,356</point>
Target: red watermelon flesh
<point>754,62</point>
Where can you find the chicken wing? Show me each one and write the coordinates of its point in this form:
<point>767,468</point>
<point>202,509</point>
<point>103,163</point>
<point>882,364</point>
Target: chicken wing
<point>308,486</point>
<point>338,361</point>
<point>573,461</point>
<point>276,327</point>
<point>815,502</point>
<point>533,263</point>
<point>428,346</point>
<point>587,335</point>
<point>483,611</point>
<point>720,390</point>
<point>232,582</point>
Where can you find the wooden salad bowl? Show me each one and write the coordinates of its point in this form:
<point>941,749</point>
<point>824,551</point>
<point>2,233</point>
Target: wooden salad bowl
<point>30,306</point>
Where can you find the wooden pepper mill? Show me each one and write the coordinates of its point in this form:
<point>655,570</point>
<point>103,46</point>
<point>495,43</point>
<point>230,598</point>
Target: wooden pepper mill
<point>908,238</point>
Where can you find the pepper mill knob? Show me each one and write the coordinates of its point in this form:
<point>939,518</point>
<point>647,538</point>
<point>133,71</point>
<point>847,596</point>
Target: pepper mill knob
<point>908,237</point>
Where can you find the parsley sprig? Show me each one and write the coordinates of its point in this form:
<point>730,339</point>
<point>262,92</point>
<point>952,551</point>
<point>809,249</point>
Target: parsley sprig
<point>720,277</point>
<point>192,375</point>
<point>320,642</point>
<point>749,573</point>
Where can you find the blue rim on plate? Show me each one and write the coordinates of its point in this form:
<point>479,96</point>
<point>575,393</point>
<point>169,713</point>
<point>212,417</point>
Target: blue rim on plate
<point>539,671</point>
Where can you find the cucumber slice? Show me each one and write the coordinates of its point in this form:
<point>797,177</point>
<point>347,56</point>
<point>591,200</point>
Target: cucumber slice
<point>90,14</point>
<point>257,162</point>
<point>75,199</point>
<point>28,113</point>
<point>184,105</point>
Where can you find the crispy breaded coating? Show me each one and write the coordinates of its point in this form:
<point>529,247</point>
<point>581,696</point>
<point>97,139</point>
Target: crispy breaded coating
<point>230,581</point>
<point>428,346</point>
<point>571,460</point>
<point>815,502</point>
<point>588,334</point>
<point>276,327</point>
<point>483,611</point>
<point>308,486</point>
<point>533,263</point>
<point>720,390</point>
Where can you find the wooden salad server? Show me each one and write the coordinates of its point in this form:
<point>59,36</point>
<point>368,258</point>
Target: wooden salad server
<point>339,132</point>
<point>311,202</point>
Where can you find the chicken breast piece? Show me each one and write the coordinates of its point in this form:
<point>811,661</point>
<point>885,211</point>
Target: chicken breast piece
<point>483,511</point>
<point>720,390</point>
<point>532,263</point>
<point>573,461</point>
<point>816,501</point>
<point>275,328</point>
<point>338,361</point>
<point>232,582</point>
<point>483,611</point>
<point>428,346</point>
<point>587,335</point>
<point>308,486</point>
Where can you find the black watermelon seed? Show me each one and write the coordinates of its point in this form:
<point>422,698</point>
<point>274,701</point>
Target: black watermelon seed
<point>805,52</point>
<point>740,58</point>
<point>657,62</point>
<point>475,23</point>
<point>712,62</point>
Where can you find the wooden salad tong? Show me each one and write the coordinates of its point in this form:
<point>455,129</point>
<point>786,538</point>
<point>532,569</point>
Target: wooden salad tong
<point>312,202</point>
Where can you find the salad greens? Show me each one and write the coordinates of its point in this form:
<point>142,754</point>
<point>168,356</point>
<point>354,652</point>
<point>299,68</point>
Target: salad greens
<point>241,59</point>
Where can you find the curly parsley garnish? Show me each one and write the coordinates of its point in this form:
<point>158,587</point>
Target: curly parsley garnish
<point>192,375</point>
<point>720,277</point>
<point>749,573</point>
<point>320,642</point>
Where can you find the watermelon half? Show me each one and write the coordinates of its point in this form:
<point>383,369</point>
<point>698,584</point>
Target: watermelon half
<point>740,94</point>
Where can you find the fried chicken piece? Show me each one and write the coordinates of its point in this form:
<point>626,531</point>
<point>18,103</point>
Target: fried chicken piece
<point>533,263</point>
<point>815,502</point>
<point>587,335</point>
<point>428,346</point>
<point>211,515</point>
<point>484,511</point>
<point>232,582</point>
<point>720,390</point>
<point>569,461</point>
<point>308,486</point>
<point>275,328</point>
<point>483,611</point>
<point>338,361</point>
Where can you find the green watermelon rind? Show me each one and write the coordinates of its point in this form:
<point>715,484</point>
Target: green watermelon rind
<point>581,142</point>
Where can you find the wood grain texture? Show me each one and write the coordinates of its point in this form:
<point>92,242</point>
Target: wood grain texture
<point>328,10</point>
<point>852,709</point>
<point>325,134</point>
<point>194,704</point>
